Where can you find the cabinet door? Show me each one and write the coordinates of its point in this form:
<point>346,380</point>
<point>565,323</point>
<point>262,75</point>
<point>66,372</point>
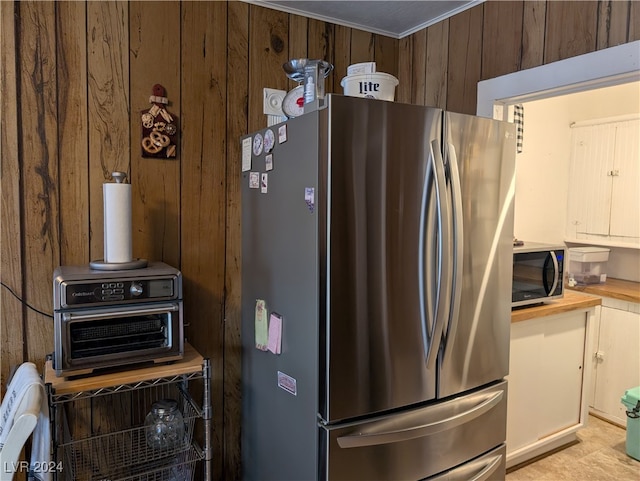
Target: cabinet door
<point>592,153</point>
<point>619,366</point>
<point>625,193</point>
<point>546,369</point>
<point>525,380</point>
<point>562,365</point>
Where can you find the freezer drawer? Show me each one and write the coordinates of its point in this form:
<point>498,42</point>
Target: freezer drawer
<point>488,467</point>
<point>417,443</point>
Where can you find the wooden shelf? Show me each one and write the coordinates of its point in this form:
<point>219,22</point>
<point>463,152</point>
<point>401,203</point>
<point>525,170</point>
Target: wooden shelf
<point>190,363</point>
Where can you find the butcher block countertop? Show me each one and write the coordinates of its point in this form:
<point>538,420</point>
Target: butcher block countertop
<point>570,302</point>
<point>615,288</point>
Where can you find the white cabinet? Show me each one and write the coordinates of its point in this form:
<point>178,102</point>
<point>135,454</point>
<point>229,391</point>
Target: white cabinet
<point>616,360</point>
<point>604,183</point>
<point>547,381</point>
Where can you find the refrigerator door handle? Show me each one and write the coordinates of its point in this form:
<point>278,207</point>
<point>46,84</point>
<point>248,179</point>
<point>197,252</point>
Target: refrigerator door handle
<point>425,285</point>
<point>444,226</point>
<point>405,428</point>
<point>458,250</point>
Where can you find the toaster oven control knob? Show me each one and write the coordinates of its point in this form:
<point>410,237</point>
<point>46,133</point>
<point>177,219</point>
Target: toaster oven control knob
<point>135,289</point>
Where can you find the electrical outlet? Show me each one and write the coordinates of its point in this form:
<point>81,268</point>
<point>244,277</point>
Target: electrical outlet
<point>272,102</point>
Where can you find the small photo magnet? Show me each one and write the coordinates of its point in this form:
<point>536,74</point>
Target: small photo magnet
<point>254,180</point>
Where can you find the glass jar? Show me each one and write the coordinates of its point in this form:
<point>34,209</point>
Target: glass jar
<point>164,425</point>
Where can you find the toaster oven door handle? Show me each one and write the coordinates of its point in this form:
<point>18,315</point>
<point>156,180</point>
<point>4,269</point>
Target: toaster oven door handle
<point>89,315</point>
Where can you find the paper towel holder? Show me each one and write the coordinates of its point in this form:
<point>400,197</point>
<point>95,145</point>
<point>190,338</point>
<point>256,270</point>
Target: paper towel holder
<point>100,264</point>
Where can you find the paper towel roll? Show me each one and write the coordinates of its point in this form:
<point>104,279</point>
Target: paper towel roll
<point>117,222</point>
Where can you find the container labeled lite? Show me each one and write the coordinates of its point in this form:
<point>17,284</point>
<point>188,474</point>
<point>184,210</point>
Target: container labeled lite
<point>381,86</point>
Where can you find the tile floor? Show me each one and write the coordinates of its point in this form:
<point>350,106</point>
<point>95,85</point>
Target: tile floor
<point>599,456</point>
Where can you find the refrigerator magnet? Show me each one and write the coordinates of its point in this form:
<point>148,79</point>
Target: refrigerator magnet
<point>282,134</point>
<point>258,143</point>
<point>275,333</point>
<point>264,183</point>
<point>254,180</point>
<point>268,162</point>
<point>269,140</point>
<point>261,334</point>
<point>287,383</point>
<point>246,154</point>
<point>310,198</point>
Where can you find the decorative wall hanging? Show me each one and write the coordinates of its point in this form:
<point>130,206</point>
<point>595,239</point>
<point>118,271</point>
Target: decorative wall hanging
<point>159,127</point>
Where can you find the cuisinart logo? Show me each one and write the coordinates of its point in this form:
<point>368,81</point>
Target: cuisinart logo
<point>81,294</point>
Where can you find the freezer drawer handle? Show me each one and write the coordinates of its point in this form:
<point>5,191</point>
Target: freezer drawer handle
<point>487,467</point>
<point>488,470</point>
<point>371,437</point>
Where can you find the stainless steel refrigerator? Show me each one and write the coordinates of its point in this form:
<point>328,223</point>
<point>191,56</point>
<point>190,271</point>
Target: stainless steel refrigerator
<point>377,253</point>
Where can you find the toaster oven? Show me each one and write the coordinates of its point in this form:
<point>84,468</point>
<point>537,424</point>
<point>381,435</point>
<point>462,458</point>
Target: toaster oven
<point>105,319</point>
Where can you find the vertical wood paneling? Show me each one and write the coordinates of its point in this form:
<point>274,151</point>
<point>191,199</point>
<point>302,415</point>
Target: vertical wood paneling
<point>362,46</point>
<point>320,44</point>
<point>418,67</point>
<point>533,33</point>
<point>298,29</point>
<point>39,149</point>
<point>10,233</point>
<point>237,125</point>
<point>386,55</point>
<point>465,49</point>
<point>437,59</point>
<point>612,23</point>
<point>154,31</point>
<point>108,94</point>
<point>501,42</point>
<point>203,175</point>
<point>73,125</point>
<point>342,56</point>
<point>268,50</point>
<point>405,54</point>
<point>571,29</point>
<point>297,45</point>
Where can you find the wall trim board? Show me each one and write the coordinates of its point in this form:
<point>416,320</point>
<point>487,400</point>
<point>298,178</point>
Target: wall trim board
<point>602,68</point>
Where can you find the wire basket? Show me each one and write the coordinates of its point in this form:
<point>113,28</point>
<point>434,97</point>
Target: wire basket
<point>124,454</point>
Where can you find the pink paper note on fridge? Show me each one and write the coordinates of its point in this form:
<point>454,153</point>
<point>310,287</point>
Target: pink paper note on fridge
<point>275,333</point>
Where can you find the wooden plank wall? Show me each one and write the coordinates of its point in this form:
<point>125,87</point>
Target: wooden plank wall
<point>74,83</point>
<point>441,65</point>
<point>75,76</point>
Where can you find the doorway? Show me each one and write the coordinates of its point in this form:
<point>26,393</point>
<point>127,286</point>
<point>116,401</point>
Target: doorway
<point>538,216</point>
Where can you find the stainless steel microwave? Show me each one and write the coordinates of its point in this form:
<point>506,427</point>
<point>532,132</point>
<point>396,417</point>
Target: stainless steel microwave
<point>538,271</point>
